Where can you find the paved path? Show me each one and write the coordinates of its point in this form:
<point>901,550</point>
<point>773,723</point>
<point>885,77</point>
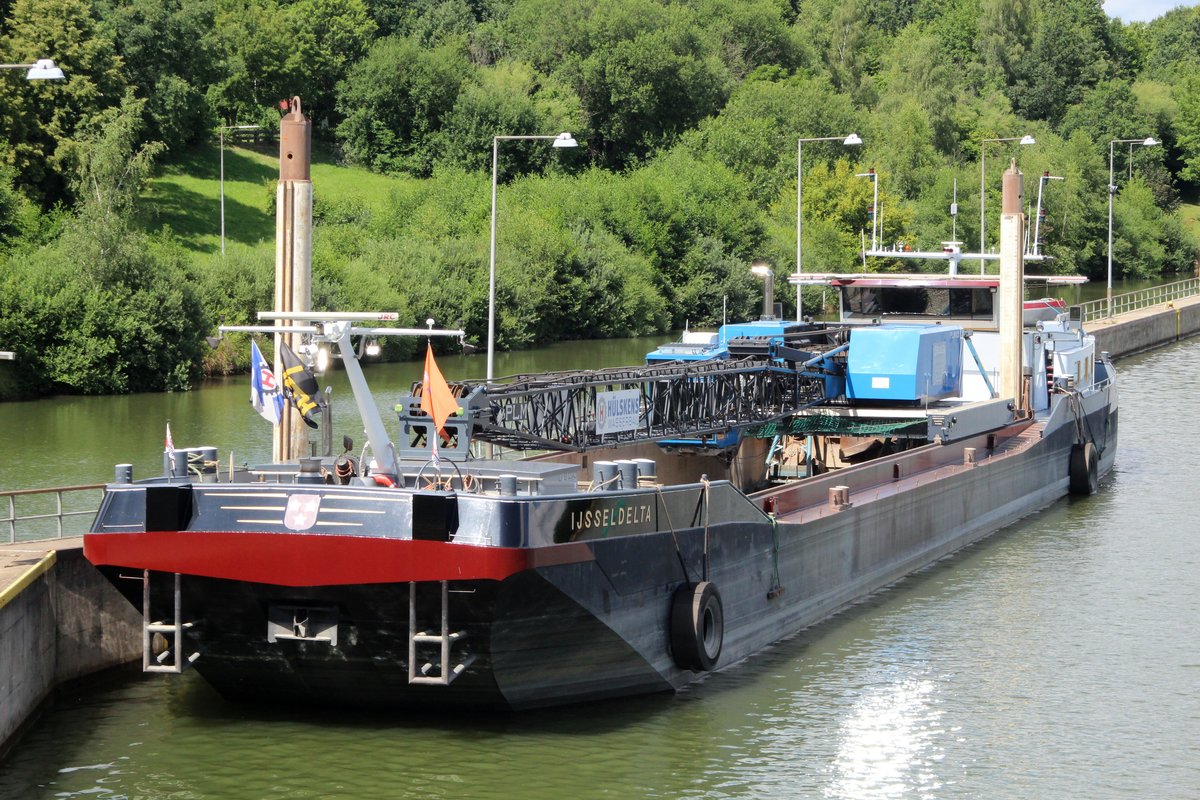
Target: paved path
<point>17,560</point>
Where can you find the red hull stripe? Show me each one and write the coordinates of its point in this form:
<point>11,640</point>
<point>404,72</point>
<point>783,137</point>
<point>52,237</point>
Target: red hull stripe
<point>302,560</point>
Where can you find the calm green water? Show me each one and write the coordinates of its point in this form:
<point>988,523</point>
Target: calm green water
<point>77,440</point>
<point>1057,659</point>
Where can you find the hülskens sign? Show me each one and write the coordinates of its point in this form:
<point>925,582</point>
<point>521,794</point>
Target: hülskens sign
<point>617,411</point>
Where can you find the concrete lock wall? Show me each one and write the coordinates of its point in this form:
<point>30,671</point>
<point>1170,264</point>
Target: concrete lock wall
<point>57,625</point>
<point>1143,330</point>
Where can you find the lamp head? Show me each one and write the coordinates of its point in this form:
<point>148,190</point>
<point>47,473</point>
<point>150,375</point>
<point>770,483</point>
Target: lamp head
<point>762,269</point>
<point>565,139</point>
<point>44,70</point>
<point>1150,142</point>
<point>1027,139</point>
<point>852,139</point>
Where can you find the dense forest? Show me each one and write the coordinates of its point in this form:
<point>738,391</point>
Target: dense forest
<point>687,113</point>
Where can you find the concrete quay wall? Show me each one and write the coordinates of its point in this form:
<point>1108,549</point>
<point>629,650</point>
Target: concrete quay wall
<point>1147,328</point>
<point>59,620</point>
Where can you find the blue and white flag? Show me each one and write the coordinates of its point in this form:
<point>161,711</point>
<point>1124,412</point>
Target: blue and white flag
<point>264,391</point>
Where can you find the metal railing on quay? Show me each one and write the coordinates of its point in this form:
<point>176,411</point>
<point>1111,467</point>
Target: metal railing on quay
<point>45,523</point>
<point>1133,301</point>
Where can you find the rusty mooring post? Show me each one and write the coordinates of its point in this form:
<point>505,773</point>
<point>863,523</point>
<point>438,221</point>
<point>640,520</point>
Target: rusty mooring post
<point>1011,295</point>
<point>293,258</point>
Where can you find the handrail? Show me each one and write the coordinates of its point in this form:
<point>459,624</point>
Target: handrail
<point>58,514</point>
<point>1132,301</point>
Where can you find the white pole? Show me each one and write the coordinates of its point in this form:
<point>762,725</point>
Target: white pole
<point>1111,190</point>
<point>491,343</point>
<point>982,214</point>
<point>222,191</point>
<point>799,223</point>
<point>876,226</point>
<point>1037,216</point>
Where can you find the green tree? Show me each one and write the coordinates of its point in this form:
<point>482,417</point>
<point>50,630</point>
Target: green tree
<point>1069,54</point>
<point>1108,111</point>
<point>507,99</point>
<point>253,54</point>
<point>1187,127</point>
<point>901,139</point>
<point>752,33</point>
<point>643,70</point>
<point>755,134</point>
<point>1140,236</point>
<point>1005,28</point>
<point>1170,45</point>
<point>169,51</point>
<point>848,46</point>
<point>326,38</point>
<point>104,308</point>
<point>393,103</point>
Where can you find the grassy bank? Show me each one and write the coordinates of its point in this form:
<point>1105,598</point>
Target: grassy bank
<point>186,195</point>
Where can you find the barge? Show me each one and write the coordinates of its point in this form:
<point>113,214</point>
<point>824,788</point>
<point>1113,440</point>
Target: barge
<point>620,555</point>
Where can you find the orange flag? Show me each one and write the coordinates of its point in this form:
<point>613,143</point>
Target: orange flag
<point>436,398</point>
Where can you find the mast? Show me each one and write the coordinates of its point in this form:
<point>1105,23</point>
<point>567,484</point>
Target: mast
<point>293,259</point>
<point>1010,297</point>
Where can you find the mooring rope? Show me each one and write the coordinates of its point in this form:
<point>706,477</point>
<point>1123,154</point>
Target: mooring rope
<point>674,537</point>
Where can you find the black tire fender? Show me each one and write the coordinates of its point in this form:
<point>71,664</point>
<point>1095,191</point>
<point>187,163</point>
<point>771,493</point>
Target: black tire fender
<point>1085,469</point>
<point>697,626</point>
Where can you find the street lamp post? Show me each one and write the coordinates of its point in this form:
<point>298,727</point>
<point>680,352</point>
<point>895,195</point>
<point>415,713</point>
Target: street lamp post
<point>222,134</point>
<point>1149,141</point>
<point>1024,140</point>
<point>851,139</point>
<point>561,140</point>
<point>43,69</point>
<point>762,269</point>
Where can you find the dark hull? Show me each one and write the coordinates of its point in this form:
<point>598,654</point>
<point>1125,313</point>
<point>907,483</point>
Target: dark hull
<point>589,618</point>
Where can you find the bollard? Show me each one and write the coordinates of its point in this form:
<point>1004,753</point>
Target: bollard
<point>629,474</point>
<point>208,463</point>
<point>839,497</point>
<point>603,474</point>
<point>124,473</point>
<point>310,470</point>
<point>179,463</point>
<point>647,469</point>
<point>508,485</point>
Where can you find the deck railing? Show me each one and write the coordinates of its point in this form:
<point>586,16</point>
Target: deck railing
<point>47,511</point>
<point>1142,298</point>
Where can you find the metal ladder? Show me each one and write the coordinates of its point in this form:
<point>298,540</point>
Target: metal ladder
<point>429,673</point>
<point>168,660</point>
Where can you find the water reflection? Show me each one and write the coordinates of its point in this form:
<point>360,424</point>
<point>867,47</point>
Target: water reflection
<point>887,744</point>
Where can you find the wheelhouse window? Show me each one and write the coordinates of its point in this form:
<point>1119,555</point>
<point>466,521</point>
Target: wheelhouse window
<point>932,302</point>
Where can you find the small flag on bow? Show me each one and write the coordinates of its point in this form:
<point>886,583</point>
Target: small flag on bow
<point>264,391</point>
<point>436,398</point>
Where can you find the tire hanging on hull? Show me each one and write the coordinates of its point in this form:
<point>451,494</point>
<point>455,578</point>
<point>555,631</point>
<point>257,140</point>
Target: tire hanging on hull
<point>1084,469</point>
<point>697,626</point>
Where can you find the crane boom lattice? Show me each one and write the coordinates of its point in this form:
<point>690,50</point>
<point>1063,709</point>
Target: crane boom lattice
<point>559,411</point>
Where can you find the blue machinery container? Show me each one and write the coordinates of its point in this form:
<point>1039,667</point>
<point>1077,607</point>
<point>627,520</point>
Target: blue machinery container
<point>905,363</point>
